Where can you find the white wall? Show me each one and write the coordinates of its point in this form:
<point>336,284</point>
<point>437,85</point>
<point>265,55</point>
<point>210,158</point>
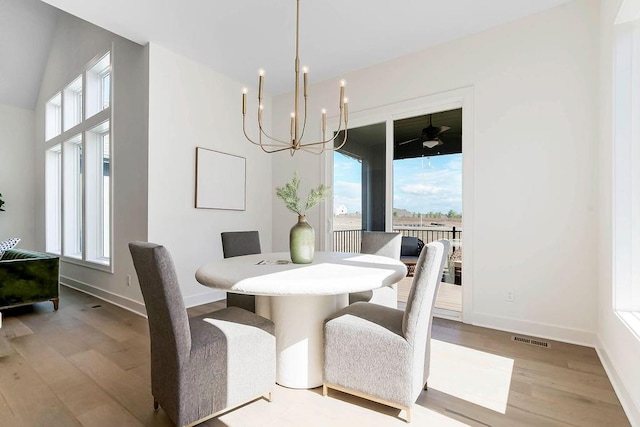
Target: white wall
<point>17,136</point>
<point>618,347</point>
<point>534,134</point>
<point>191,105</point>
<point>76,42</point>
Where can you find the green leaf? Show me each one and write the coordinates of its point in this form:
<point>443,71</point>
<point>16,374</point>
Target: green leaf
<point>289,194</point>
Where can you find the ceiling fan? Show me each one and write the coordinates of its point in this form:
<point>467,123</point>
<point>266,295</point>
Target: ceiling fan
<point>430,135</point>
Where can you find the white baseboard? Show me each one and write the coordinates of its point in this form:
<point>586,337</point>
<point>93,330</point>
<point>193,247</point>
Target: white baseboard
<point>447,314</point>
<point>630,409</point>
<point>204,298</point>
<point>541,330</point>
<point>115,299</point>
<point>133,305</point>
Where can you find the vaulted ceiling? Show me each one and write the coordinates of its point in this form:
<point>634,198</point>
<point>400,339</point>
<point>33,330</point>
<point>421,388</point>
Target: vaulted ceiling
<point>26,32</point>
<point>238,37</point>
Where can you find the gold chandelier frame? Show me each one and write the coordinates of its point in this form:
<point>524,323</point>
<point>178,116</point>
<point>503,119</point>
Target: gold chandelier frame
<point>295,143</point>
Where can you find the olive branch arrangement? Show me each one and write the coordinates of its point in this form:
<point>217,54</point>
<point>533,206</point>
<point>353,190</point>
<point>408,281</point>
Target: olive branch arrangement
<point>289,194</point>
<point>1,203</point>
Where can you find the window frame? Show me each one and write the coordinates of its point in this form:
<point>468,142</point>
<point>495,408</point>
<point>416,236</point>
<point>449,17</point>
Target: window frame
<point>626,175</point>
<point>53,199</point>
<point>87,124</point>
<point>95,207</point>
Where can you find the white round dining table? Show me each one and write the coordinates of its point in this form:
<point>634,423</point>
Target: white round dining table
<point>298,297</point>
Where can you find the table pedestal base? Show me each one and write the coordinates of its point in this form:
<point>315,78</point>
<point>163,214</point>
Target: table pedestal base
<point>299,321</point>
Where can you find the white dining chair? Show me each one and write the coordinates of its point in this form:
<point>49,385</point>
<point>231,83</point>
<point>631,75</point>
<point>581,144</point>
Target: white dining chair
<point>381,353</point>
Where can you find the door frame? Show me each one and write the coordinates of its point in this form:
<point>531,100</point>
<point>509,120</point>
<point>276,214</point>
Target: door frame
<point>428,104</point>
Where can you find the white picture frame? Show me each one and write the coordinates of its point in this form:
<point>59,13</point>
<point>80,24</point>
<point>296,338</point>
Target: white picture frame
<point>220,180</point>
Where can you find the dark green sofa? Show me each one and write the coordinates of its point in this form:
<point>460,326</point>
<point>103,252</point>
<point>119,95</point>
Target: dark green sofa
<point>27,277</point>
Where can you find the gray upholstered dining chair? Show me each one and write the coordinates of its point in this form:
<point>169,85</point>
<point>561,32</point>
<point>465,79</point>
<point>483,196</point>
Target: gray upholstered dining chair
<point>205,365</point>
<point>238,243</point>
<point>384,244</point>
<point>381,353</point>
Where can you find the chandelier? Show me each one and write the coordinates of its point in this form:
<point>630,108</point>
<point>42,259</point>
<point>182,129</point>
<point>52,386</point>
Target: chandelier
<point>294,142</point>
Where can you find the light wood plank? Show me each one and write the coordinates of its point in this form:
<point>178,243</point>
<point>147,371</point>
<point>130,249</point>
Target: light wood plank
<point>96,318</point>
<point>126,354</point>
<point>130,391</point>
<point>70,385</point>
<point>31,401</point>
<point>108,415</point>
<point>13,327</point>
<point>90,366</point>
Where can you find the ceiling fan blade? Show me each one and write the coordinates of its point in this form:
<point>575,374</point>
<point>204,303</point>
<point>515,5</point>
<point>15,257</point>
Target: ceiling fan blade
<point>442,129</point>
<point>409,141</point>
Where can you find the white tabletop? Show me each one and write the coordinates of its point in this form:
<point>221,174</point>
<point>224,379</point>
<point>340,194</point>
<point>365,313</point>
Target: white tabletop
<point>331,273</point>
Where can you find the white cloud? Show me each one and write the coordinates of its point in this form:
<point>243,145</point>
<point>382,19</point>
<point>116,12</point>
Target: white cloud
<point>348,194</point>
<point>422,190</point>
<point>423,185</point>
<point>420,185</point>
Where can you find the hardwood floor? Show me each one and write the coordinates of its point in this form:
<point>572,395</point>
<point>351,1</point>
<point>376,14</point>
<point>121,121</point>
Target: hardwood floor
<point>88,364</point>
<point>449,295</point>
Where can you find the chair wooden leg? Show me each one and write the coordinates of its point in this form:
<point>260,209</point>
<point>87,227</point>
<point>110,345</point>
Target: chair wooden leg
<point>325,390</point>
<point>155,404</point>
<point>268,396</point>
<point>55,302</point>
<point>426,386</point>
<point>408,419</point>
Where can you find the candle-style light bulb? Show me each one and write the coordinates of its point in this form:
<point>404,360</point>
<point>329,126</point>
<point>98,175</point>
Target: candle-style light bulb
<point>342,84</point>
<point>244,100</point>
<point>305,72</point>
<point>293,119</point>
<point>324,120</point>
<point>346,111</point>
<point>260,82</point>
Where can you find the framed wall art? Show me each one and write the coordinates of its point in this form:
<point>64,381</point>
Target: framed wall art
<point>220,180</point>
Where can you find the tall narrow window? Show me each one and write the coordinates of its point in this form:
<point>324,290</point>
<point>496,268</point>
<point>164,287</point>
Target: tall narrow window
<point>626,184</point>
<point>53,116</point>
<point>105,88</point>
<point>99,86</point>
<point>73,196</point>
<point>73,104</point>
<point>98,200</point>
<point>78,168</point>
<point>53,199</point>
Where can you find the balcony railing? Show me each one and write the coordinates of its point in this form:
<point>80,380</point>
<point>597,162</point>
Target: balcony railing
<point>350,240</point>
<point>347,240</point>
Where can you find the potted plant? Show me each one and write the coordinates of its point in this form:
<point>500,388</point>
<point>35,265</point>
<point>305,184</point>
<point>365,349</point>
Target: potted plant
<point>1,203</point>
<point>301,236</point>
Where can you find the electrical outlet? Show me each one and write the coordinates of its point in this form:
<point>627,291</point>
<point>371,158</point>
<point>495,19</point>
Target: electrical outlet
<point>128,280</point>
<point>510,296</point>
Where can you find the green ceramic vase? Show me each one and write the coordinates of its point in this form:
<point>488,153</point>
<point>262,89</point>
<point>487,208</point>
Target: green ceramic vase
<point>302,242</point>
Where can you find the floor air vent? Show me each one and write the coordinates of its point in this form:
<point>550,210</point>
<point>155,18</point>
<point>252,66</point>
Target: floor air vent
<point>530,341</point>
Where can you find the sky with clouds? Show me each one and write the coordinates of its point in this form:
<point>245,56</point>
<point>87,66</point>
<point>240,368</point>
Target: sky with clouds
<point>420,185</point>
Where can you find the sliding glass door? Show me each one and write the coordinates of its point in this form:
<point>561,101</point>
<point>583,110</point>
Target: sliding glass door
<point>403,174</point>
